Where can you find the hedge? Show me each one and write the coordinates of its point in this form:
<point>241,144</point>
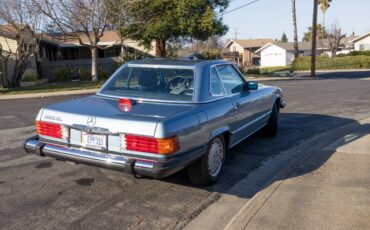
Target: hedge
<point>348,62</point>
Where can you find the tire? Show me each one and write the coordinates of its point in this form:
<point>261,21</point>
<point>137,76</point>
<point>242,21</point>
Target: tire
<point>271,128</point>
<point>208,169</point>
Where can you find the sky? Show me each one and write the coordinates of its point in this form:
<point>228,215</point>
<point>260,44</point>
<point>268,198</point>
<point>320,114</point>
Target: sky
<point>270,18</point>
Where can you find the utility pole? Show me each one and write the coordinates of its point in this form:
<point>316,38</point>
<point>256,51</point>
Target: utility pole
<point>314,39</point>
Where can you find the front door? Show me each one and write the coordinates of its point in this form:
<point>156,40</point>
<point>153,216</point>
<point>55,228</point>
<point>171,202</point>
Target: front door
<point>246,104</point>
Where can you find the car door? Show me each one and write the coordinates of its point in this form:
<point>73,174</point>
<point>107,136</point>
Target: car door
<point>246,103</point>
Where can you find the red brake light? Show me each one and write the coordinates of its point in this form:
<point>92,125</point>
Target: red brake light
<point>125,104</point>
<point>152,145</point>
<point>51,130</point>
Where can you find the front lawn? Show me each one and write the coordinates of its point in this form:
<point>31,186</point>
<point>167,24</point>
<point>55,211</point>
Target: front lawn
<point>52,87</point>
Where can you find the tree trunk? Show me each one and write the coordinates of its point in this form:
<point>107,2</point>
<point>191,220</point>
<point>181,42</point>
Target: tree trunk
<point>296,50</point>
<point>94,64</point>
<point>314,39</point>
<point>160,47</point>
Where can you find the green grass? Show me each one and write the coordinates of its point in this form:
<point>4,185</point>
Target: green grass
<point>275,69</point>
<point>52,87</point>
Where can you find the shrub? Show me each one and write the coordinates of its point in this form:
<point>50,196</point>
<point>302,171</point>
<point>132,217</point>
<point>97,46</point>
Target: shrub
<point>85,74</point>
<point>62,74</point>
<point>30,78</point>
<point>130,56</point>
<point>347,62</point>
<point>254,71</point>
<point>212,54</point>
<point>103,75</point>
<point>359,53</point>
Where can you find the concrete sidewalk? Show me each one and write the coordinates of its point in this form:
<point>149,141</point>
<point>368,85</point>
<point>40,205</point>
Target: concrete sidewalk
<point>48,94</point>
<point>328,190</point>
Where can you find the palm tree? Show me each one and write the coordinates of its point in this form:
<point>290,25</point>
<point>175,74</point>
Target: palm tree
<point>296,50</point>
<point>324,5</point>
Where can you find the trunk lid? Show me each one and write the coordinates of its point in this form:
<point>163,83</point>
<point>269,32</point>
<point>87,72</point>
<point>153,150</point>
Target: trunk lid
<point>141,120</point>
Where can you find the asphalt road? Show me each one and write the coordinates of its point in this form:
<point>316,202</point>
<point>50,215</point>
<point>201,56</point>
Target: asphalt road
<point>42,193</point>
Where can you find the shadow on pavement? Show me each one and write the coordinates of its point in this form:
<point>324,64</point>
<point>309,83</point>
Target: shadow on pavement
<point>250,154</point>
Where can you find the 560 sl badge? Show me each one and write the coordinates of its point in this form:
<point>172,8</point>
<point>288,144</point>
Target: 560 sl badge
<point>52,117</point>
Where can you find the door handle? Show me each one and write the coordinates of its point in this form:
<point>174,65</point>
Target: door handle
<point>237,105</point>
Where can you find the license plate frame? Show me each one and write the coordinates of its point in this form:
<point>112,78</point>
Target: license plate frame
<point>94,141</point>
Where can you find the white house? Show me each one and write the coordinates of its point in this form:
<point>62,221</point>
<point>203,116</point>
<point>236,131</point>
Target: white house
<point>243,51</point>
<point>362,43</point>
<point>282,53</point>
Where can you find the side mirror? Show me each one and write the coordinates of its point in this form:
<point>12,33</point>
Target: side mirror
<point>251,85</point>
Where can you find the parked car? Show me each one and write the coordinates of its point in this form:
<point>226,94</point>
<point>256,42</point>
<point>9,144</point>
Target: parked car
<point>154,117</point>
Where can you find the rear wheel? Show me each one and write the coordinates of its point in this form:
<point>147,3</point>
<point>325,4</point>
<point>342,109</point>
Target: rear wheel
<point>208,169</point>
<point>271,127</point>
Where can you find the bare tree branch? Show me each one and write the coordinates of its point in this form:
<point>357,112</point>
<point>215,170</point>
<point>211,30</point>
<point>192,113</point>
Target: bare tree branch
<point>23,26</point>
<point>82,19</point>
<point>334,38</point>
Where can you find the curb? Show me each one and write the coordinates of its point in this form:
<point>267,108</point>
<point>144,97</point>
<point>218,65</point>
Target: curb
<point>250,208</point>
<point>47,94</point>
<point>334,71</point>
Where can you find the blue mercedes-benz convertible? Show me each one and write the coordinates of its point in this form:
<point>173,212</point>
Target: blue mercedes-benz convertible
<point>154,117</point>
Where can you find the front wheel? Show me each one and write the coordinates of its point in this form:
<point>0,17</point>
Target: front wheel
<point>208,169</point>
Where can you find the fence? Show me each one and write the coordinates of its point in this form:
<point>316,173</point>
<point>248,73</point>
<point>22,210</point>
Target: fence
<point>49,68</point>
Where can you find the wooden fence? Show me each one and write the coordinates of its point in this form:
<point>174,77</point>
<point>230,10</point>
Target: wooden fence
<point>49,68</point>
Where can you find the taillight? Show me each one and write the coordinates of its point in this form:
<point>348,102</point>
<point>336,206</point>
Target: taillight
<point>51,130</point>
<point>151,145</point>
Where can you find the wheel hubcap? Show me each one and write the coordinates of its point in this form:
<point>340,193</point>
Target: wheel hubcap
<point>215,157</point>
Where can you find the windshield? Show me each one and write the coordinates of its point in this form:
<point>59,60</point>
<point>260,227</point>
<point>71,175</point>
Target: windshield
<point>152,83</point>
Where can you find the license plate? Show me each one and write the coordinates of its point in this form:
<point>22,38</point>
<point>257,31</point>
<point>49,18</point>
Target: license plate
<point>94,140</point>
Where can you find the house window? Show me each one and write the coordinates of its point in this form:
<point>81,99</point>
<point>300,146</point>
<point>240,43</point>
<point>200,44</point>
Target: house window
<point>43,52</point>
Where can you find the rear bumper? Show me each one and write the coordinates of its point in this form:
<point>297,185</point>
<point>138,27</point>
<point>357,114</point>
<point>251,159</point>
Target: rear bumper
<point>156,169</point>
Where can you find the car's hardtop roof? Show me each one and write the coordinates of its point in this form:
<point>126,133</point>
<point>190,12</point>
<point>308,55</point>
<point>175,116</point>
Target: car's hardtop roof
<point>175,62</point>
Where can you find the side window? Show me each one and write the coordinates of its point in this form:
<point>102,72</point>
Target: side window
<point>230,79</point>
<point>215,84</point>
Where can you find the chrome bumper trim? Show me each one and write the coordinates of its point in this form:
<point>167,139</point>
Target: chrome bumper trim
<point>282,104</point>
<point>83,156</point>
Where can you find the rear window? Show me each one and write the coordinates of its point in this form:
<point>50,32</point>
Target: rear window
<point>152,83</point>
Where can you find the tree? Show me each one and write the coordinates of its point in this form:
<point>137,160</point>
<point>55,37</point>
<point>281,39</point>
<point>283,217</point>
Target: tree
<point>119,18</point>
<point>334,38</point>
<point>324,5</point>
<point>295,30</point>
<point>284,38</point>
<point>197,19</point>
<point>23,26</point>
<point>85,19</point>
<point>321,33</point>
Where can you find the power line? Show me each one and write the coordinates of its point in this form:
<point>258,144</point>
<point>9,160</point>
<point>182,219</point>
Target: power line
<point>239,7</point>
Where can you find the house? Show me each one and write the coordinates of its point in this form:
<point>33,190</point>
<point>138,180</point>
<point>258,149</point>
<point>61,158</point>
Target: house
<point>9,47</point>
<point>243,52</point>
<point>63,47</point>
<point>58,50</point>
<point>282,53</point>
<point>346,45</point>
<point>362,43</point>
